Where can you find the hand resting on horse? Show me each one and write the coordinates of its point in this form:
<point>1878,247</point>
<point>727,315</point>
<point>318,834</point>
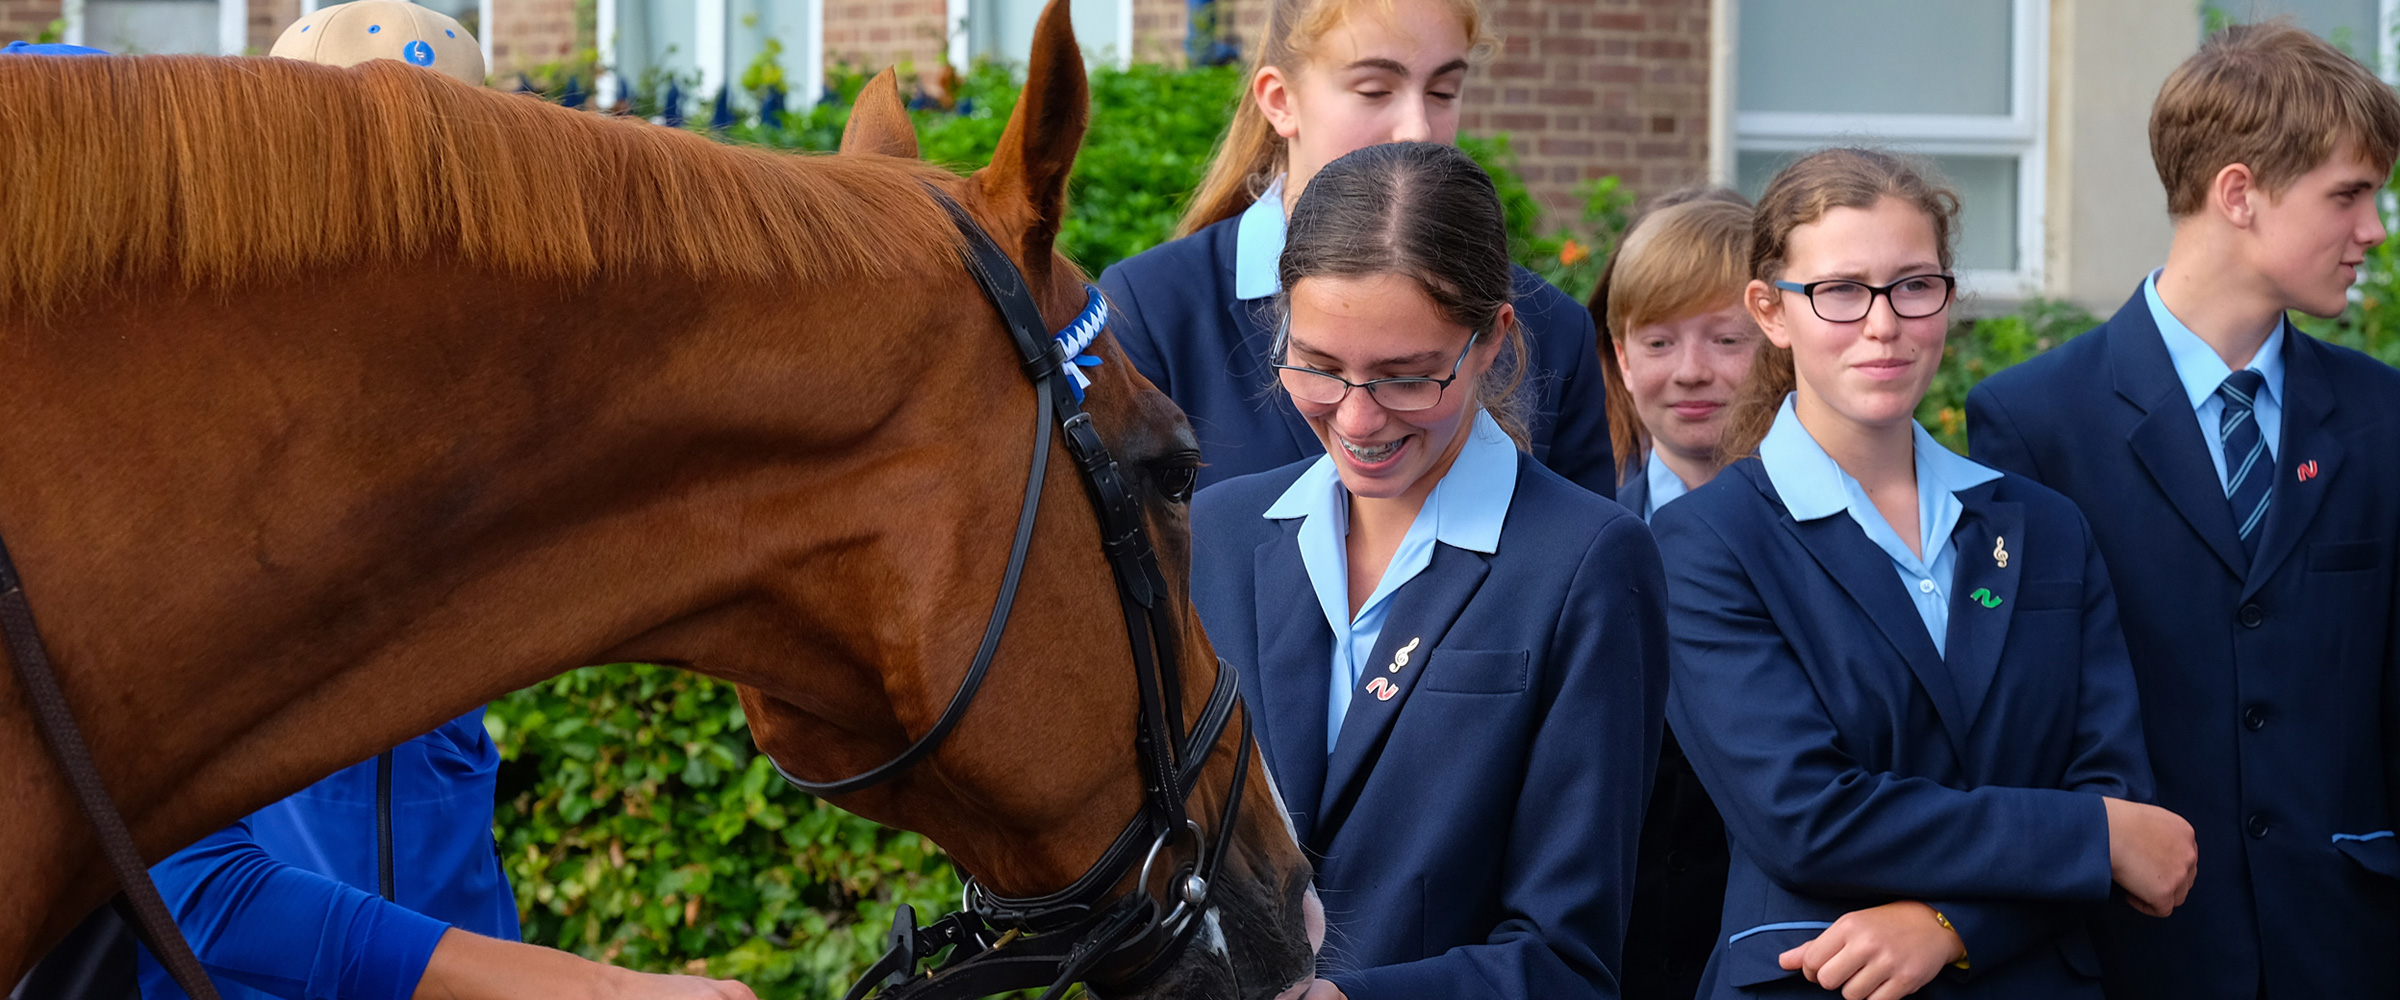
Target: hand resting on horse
<point>473,967</point>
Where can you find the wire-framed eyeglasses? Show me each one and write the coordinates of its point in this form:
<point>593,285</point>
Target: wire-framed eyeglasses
<point>1840,300</point>
<point>1400,394</point>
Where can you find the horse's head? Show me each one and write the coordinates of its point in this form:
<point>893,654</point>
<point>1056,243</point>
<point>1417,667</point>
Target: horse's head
<point>1041,775</point>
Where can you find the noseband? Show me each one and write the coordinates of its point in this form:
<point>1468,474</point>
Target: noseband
<point>1000,943</point>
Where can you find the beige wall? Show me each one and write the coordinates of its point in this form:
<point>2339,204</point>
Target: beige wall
<point>2105,220</point>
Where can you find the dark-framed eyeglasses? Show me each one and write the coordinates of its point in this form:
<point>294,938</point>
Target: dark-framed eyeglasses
<point>1400,395</point>
<point>1840,300</point>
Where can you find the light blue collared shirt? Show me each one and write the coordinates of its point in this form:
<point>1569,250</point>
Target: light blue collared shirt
<point>1258,246</point>
<point>2202,371</point>
<point>1464,510</point>
<point>1665,485</point>
<point>1813,486</point>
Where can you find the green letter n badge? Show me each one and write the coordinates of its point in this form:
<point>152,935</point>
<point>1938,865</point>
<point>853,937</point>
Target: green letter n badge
<point>1985,597</point>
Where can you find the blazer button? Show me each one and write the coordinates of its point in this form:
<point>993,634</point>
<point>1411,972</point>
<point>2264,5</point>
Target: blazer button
<point>2252,615</point>
<point>2254,719</point>
<point>2259,826</point>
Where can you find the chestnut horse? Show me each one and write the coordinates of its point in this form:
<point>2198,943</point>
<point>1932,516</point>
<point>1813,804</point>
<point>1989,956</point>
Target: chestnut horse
<point>334,402</point>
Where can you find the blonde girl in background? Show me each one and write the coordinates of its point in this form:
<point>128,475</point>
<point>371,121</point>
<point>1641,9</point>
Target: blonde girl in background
<point>1196,315</point>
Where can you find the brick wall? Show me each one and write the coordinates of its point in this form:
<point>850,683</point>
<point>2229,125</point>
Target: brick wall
<point>1588,88</point>
<point>528,33</point>
<point>1584,89</point>
<point>268,18</point>
<point>1158,30</point>
<point>872,34</point>
<point>24,20</point>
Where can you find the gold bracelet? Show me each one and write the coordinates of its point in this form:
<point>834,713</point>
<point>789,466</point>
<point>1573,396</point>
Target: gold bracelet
<point>1962,941</point>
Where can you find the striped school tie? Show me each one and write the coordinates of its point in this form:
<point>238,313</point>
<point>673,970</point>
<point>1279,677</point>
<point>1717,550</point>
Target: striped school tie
<point>2249,469</point>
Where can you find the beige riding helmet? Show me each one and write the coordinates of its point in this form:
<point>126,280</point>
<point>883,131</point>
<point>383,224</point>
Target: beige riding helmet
<point>351,33</point>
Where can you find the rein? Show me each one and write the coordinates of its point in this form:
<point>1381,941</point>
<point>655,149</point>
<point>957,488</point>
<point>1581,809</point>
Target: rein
<point>74,757</point>
<point>997,943</point>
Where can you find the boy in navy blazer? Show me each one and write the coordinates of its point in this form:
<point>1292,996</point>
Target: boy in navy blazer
<point>2242,480</point>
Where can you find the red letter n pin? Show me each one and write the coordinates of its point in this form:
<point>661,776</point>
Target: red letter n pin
<point>2308,470</point>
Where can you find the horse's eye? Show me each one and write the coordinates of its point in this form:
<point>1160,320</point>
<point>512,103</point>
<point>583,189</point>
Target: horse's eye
<point>1177,478</point>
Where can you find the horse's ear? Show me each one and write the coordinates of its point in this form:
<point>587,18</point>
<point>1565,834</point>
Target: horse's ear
<point>879,121</point>
<point>1027,179</point>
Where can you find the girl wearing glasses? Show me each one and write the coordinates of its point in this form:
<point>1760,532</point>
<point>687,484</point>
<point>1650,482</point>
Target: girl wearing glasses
<point>1897,672</point>
<point>1455,657</point>
<point>1198,315</point>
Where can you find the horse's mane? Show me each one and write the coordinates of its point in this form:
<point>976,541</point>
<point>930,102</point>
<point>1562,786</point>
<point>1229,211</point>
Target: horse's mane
<point>210,171</point>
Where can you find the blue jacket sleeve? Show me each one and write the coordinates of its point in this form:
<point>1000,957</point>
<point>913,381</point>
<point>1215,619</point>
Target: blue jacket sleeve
<point>2110,759</point>
<point>289,932</point>
<point>1572,843</point>
<point>1809,814</point>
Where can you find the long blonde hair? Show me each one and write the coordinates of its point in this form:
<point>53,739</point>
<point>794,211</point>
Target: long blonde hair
<point>1250,155</point>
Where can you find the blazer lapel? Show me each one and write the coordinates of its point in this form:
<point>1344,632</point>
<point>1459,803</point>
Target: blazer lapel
<point>1255,319</point>
<point>1634,493</point>
<point>1983,592</point>
<point>1292,630</point>
<point>2167,441</point>
<point>2308,447</point>
<point>1865,573</point>
<point>1422,612</point>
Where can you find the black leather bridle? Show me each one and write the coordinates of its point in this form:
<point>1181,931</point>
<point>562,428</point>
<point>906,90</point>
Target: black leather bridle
<point>1001,944</point>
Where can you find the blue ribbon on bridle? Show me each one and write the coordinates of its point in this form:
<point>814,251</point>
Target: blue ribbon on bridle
<point>1073,344</point>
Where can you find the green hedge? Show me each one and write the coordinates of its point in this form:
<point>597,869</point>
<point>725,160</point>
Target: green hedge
<point>640,826</point>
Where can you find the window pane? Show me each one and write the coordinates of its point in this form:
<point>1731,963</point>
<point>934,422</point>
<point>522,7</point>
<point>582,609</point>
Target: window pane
<point>656,44</point>
<point>1987,193</point>
<point>752,23</point>
<point>1003,29</point>
<point>138,27</point>
<point>1948,57</point>
<point>2349,24</point>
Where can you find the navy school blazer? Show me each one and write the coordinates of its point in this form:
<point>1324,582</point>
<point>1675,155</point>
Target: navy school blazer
<point>1474,831</point>
<point>1679,891</point>
<point>1854,765</point>
<point>1174,314</point>
<point>2271,697</point>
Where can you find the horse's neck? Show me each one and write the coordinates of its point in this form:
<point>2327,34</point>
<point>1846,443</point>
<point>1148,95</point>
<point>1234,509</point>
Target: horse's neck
<point>269,532</point>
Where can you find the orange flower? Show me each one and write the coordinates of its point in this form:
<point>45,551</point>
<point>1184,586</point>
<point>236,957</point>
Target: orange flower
<point>1573,253</point>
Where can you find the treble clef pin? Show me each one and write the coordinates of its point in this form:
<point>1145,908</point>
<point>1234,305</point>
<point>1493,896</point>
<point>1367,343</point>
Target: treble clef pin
<point>1400,659</point>
<point>2000,552</point>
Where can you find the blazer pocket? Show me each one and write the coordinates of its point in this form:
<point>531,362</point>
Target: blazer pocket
<point>2377,852</point>
<point>1477,671</point>
<point>2341,557</point>
<point>1751,955</point>
<point>2050,595</point>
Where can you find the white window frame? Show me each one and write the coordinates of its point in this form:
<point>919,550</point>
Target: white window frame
<point>713,21</point>
<point>2022,134</point>
<point>233,23</point>
<point>962,52</point>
